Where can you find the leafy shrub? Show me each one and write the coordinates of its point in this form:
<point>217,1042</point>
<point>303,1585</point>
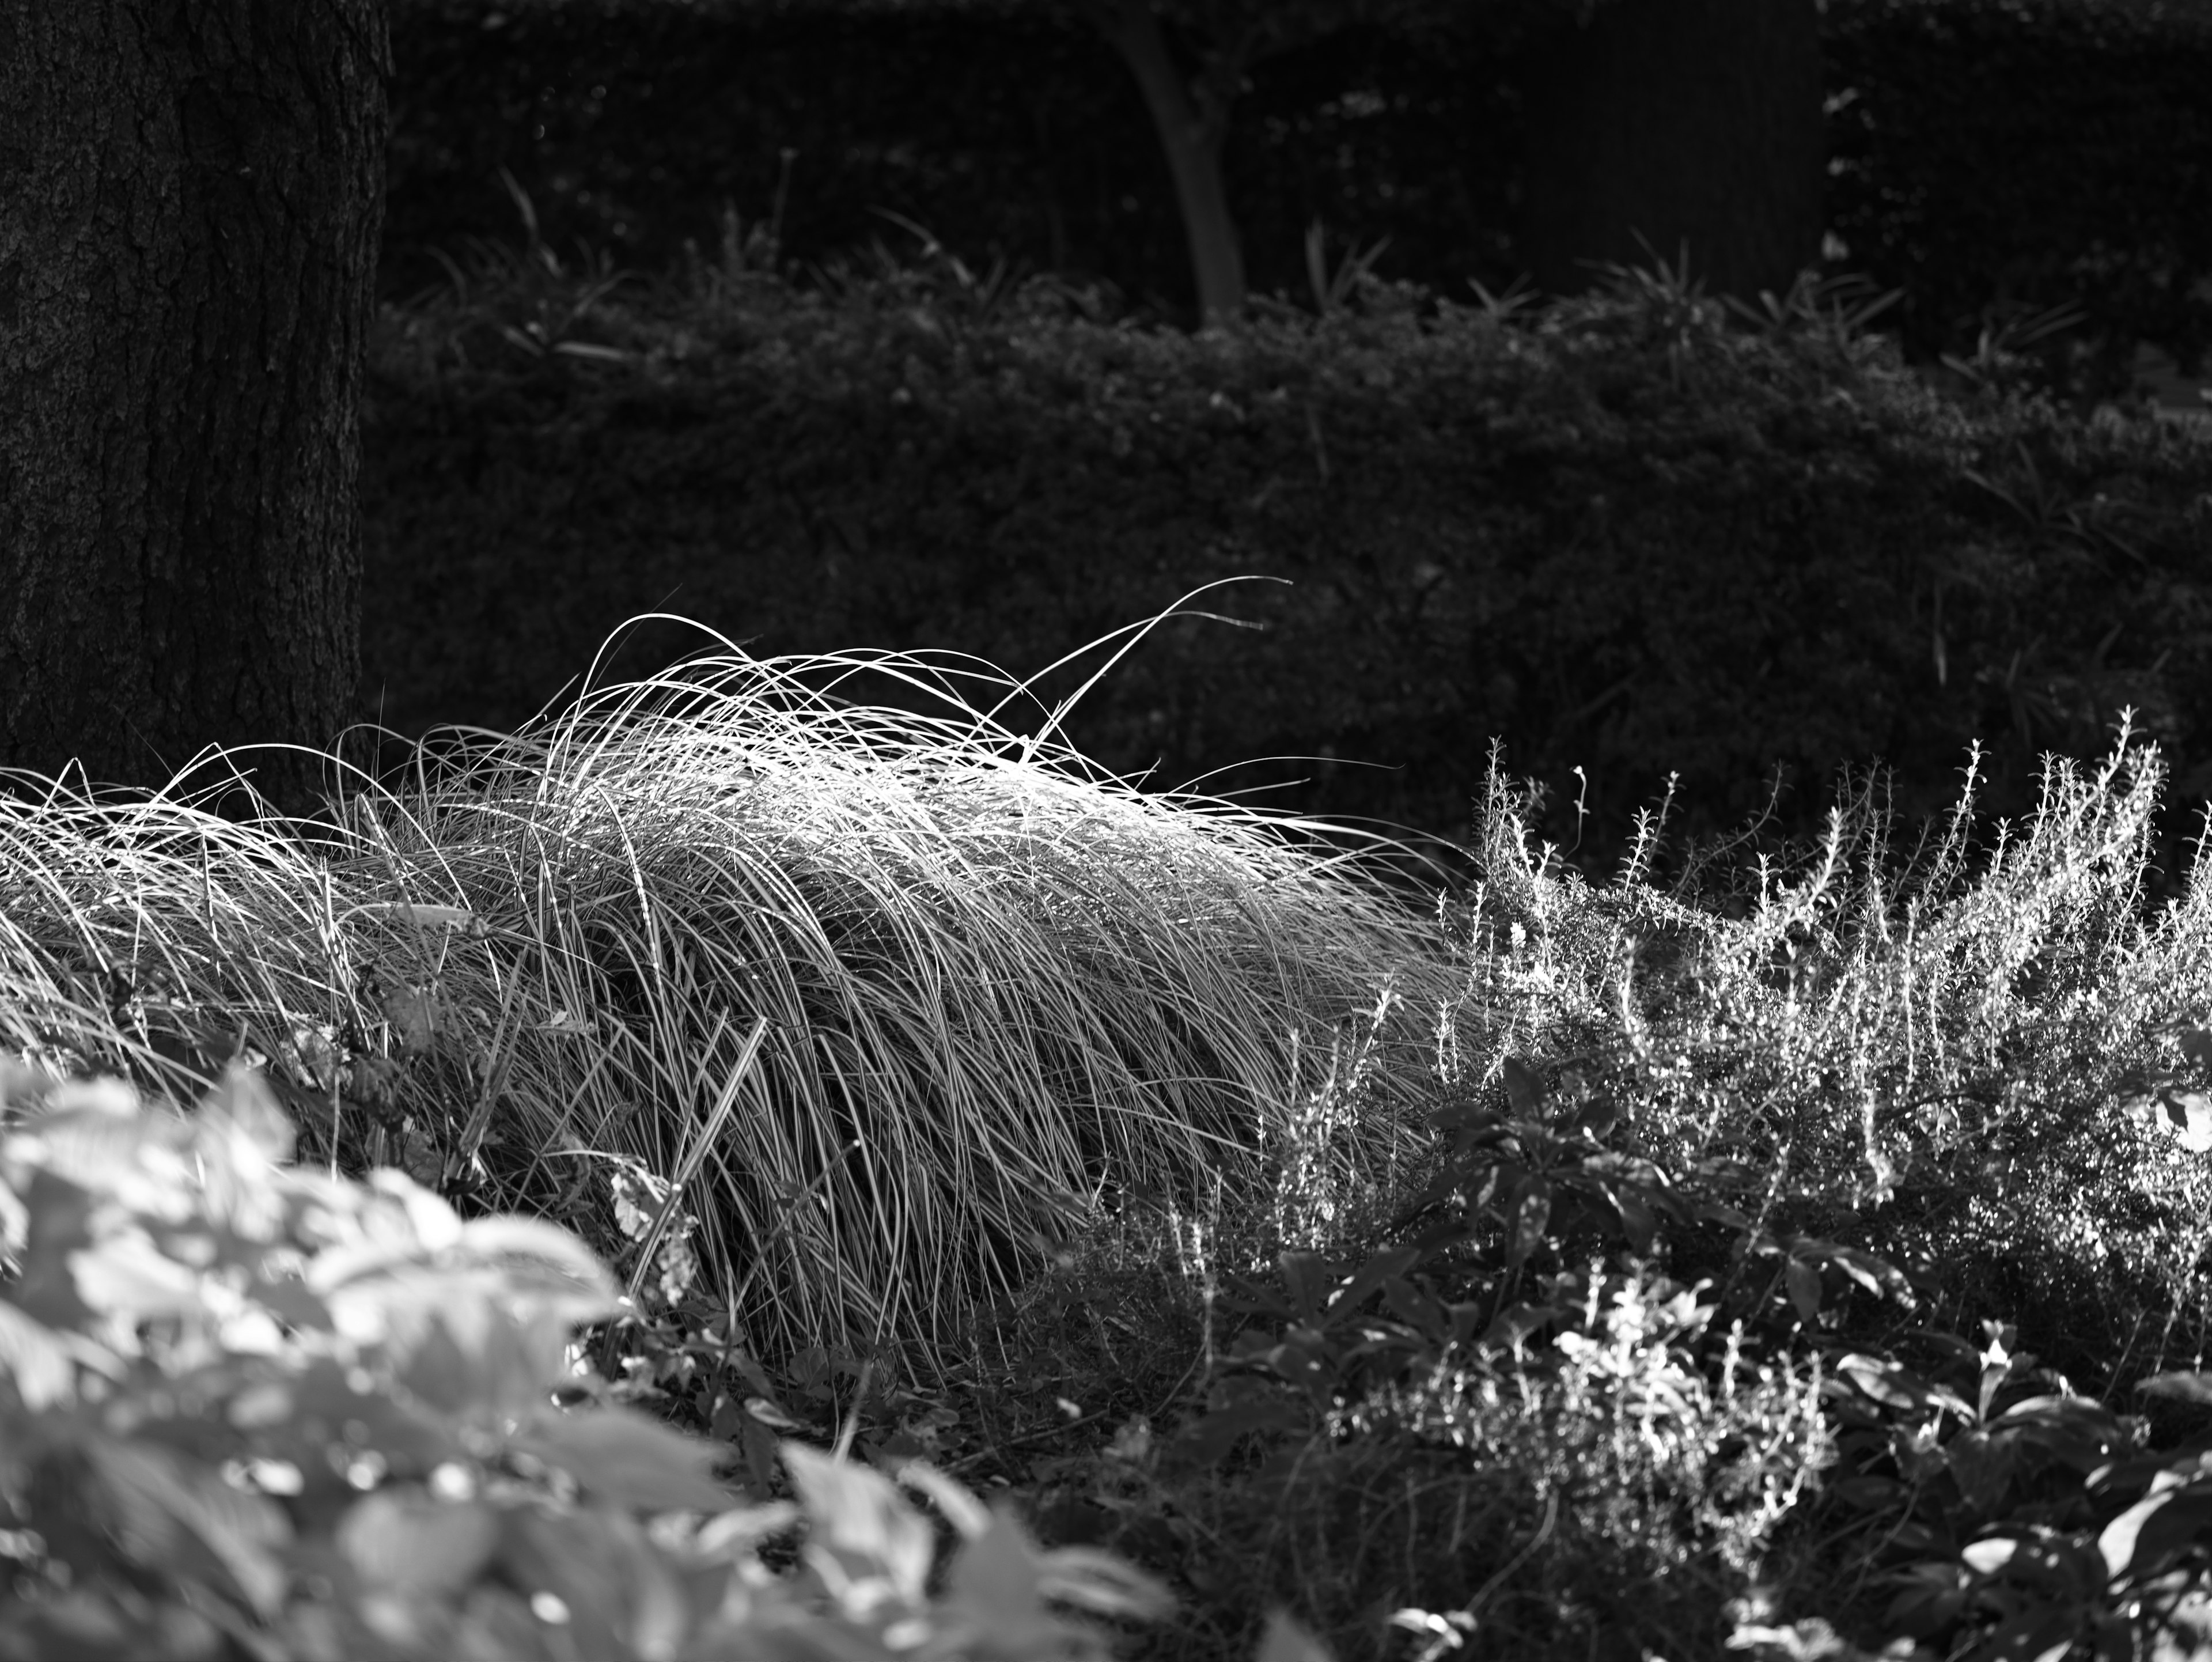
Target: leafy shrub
<point>247,1410</point>
<point>1680,1345</point>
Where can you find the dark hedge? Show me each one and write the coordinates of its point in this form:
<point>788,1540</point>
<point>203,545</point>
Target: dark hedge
<point>1623,536</point>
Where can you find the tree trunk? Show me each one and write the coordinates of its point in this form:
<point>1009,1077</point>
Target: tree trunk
<point>1192,119</point>
<point>1696,120</point>
<point>190,197</point>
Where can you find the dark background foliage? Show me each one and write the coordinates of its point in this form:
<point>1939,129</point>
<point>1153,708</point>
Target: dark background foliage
<point>2008,153</point>
<point>1634,541</point>
<point>1983,152</point>
<point>1637,546</point>
<point>1015,136</point>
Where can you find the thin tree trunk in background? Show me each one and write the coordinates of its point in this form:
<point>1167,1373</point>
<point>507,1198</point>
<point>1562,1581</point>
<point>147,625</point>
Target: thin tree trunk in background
<point>190,197</point>
<point>1192,119</point>
<point>1696,119</point>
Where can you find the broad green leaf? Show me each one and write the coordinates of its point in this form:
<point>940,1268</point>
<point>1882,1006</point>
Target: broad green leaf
<point>1102,1583</point>
<point>240,1122</point>
<point>2179,1387</point>
<point>2115,1639</point>
<point>2141,1540</point>
<point>2196,1045</point>
<point>94,1133</point>
<point>525,1354</point>
<point>1524,1088</point>
<point>439,1347</point>
<point>495,1624</point>
<point>287,1298</point>
<point>1894,1385</point>
<point>961,1509</point>
<point>1384,1267</point>
<point>862,1532</point>
<point>998,1590</point>
<point>2188,1116</point>
<point>127,1275</point>
<point>337,1273</point>
<point>599,1565</point>
<point>1639,1224</point>
<point>997,1572</point>
<point>661,1605</point>
<point>736,1535</point>
<point>2082,1434</point>
<point>1804,1284</point>
<point>1208,1439</point>
<point>2039,1632</point>
<point>628,1460</point>
<point>1934,1595</point>
<point>42,1363</point>
<point>1516,1323</point>
<point>1532,1211</point>
<point>411,1213</point>
<point>348,1421</point>
<point>1284,1641</point>
<point>1418,1308</point>
<point>404,1540</point>
<point>466,1353</point>
<point>1596,1120</point>
<point>531,1246</point>
<point>1867,1494</point>
<point>1305,1277</point>
<point>1870,1271</point>
<point>179,1518</point>
<point>1982,1464</point>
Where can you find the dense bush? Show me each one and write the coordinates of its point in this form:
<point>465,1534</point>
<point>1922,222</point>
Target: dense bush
<point>1629,534</point>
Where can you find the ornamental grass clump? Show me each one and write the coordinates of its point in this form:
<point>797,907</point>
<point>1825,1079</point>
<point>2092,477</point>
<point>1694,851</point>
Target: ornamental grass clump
<point>896,1002</point>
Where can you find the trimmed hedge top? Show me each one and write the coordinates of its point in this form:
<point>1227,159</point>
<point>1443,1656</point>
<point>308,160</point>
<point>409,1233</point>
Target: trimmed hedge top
<point>1627,533</point>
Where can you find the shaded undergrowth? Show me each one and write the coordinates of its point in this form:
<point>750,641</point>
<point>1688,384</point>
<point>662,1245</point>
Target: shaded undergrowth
<point>1803,1256</point>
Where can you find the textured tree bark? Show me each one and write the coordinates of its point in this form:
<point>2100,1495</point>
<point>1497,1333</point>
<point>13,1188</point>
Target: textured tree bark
<point>190,197</point>
<point>1681,119</point>
<point>1192,119</point>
